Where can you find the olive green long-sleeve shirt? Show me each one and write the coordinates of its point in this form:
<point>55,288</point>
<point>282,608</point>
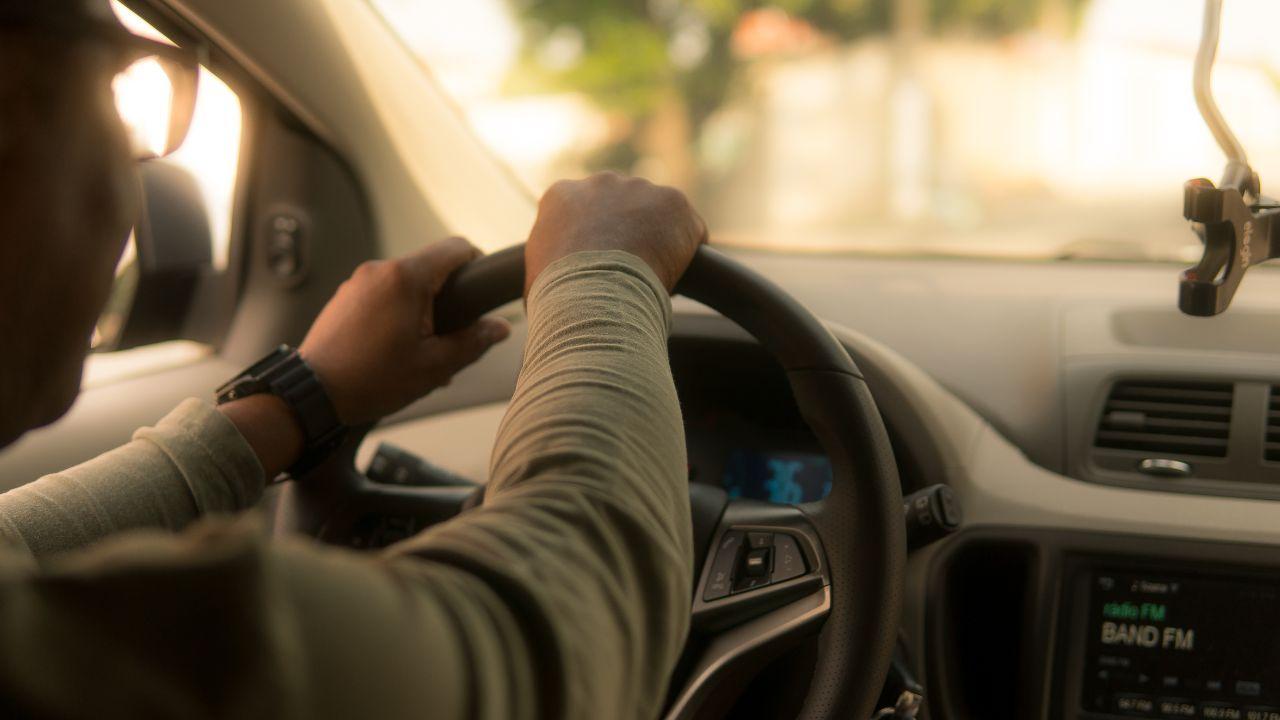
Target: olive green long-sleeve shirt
<point>566,594</point>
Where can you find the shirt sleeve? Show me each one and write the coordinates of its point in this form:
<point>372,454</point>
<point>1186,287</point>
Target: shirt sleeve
<point>193,462</point>
<point>565,595</point>
<point>586,519</point>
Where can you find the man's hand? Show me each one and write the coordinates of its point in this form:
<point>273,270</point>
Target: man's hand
<point>374,347</point>
<point>608,211</point>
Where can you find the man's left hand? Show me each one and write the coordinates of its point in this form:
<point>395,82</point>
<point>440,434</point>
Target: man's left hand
<point>373,346</point>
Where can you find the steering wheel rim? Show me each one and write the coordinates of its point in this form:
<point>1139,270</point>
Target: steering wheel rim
<point>856,536</point>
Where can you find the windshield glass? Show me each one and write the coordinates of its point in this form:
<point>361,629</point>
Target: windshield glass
<point>1019,128</point>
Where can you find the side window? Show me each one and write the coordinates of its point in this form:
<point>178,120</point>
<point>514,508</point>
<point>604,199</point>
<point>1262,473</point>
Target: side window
<point>185,233</point>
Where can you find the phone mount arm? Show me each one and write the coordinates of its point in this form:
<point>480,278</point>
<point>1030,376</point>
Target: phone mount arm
<point>1236,235</point>
<point>1233,220</point>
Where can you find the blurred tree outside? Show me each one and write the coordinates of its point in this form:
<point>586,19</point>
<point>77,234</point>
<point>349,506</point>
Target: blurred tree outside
<point>660,68</point>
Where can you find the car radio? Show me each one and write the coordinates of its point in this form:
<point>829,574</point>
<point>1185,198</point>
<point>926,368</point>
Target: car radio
<point>1174,643</point>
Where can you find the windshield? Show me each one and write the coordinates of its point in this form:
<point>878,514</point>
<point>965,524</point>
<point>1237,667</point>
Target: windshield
<point>1023,128</point>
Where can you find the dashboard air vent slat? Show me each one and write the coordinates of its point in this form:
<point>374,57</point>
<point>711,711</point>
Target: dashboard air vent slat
<point>1174,410</point>
<point>1273,426</point>
<point>1183,418</point>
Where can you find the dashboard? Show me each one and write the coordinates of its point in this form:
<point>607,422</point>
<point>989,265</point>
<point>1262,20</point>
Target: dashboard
<point>989,378</point>
<point>992,379</point>
<point>996,380</point>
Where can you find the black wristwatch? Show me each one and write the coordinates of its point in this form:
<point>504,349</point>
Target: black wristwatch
<point>286,375</point>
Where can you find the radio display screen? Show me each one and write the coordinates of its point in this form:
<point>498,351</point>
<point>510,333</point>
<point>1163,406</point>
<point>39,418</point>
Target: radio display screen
<point>1174,646</point>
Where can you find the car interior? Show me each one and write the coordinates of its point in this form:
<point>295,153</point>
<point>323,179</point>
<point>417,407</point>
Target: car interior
<point>982,407</point>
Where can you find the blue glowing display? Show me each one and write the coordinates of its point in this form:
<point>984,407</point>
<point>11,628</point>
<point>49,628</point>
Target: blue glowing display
<point>784,478</point>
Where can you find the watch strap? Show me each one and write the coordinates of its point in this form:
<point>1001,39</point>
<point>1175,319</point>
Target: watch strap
<point>286,375</point>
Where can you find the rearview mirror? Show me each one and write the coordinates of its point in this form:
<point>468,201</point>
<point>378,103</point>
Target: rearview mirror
<point>156,291</point>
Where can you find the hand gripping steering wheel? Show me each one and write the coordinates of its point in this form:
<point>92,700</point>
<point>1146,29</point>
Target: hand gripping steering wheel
<point>768,573</point>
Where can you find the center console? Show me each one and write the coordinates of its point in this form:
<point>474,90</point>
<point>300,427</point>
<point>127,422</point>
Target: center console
<point>1172,640</point>
<point>1025,623</point>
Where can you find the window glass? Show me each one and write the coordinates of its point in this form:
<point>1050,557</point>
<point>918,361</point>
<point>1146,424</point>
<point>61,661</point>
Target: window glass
<point>1025,128</point>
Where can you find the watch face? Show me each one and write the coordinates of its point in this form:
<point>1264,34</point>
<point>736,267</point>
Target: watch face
<point>240,388</point>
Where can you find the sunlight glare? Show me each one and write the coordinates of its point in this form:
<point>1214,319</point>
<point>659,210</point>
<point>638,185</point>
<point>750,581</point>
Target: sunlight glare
<point>144,98</point>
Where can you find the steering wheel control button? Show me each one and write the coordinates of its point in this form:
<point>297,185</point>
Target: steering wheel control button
<point>756,562</point>
<point>760,539</point>
<point>720,582</point>
<point>788,561</point>
<point>750,583</point>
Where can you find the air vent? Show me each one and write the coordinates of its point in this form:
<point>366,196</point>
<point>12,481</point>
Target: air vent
<point>1171,417</point>
<point>1273,425</point>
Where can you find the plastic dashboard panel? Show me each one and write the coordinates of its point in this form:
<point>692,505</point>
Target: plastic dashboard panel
<point>1103,344</point>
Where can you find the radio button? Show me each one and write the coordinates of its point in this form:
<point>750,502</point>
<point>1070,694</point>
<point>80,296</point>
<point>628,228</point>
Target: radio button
<point>1248,688</point>
<point>1175,708</point>
<point>1220,711</point>
<point>1135,705</point>
<point>1118,678</point>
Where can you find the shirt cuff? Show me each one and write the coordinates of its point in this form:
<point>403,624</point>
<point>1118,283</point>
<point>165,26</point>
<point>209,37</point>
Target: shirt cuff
<point>222,471</point>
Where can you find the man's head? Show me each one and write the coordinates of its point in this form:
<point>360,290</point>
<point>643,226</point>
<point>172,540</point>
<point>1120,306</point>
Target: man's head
<point>68,197</point>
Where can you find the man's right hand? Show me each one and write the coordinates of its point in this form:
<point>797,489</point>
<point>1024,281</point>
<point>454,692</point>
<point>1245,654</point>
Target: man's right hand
<point>608,211</point>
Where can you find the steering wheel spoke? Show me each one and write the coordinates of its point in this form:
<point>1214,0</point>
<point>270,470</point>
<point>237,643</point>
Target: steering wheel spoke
<point>763,585</point>
<point>763,556</point>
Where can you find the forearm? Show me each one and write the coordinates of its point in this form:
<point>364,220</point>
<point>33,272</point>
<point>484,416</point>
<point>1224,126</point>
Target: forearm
<point>192,462</point>
<point>585,529</point>
<point>595,401</point>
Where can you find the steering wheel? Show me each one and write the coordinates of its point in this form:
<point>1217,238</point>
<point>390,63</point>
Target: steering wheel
<point>768,573</point>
